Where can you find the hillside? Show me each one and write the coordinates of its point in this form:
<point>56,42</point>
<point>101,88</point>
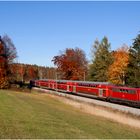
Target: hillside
<point>34,115</point>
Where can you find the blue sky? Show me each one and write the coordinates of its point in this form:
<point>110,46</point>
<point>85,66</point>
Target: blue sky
<point>40,30</point>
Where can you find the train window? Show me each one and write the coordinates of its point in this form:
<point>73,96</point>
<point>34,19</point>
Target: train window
<point>116,90</point>
<point>87,85</point>
<point>132,91</point>
<point>124,90</point>
<point>104,91</point>
<point>61,82</point>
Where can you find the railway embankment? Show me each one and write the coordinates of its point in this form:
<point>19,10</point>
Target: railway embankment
<point>114,112</point>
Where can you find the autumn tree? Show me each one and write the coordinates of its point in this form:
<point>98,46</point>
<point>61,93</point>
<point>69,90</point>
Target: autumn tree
<point>117,71</point>
<point>133,71</point>
<point>8,54</point>
<point>101,59</point>
<point>3,67</point>
<point>71,64</point>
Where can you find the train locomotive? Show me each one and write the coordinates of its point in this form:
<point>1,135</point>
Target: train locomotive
<point>99,90</point>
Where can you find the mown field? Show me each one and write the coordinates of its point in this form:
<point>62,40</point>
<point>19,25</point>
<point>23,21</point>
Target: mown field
<point>34,115</point>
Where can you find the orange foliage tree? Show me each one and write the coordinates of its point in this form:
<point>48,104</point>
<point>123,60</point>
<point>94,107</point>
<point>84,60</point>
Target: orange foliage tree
<point>117,71</point>
<point>72,64</point>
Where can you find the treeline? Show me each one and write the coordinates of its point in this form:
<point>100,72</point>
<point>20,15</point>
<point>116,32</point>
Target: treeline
<point>27,72</point>
<point>11,72</point>
<point>121,66</point>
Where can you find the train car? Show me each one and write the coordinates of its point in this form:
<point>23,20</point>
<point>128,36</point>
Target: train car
<point>101,90</point>
<point>62,85</point>
<point>125,95</point>
<point>91,89</point>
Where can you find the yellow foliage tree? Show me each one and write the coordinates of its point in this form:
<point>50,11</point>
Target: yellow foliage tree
<point>117,70</point>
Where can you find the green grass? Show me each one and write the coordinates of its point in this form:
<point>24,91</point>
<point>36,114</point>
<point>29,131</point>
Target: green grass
<point>25,115</point>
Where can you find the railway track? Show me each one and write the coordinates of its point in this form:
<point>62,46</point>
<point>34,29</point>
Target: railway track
<point>113,106</point>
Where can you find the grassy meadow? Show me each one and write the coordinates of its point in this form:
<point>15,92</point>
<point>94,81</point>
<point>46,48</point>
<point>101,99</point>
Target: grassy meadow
<point>34,115</point>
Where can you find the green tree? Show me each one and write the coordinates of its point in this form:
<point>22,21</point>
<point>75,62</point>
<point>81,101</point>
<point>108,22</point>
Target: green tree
<point>101,59</point>
<point>133,71</point>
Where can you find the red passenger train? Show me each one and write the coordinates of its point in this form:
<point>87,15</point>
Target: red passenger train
<point>100,90</point>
